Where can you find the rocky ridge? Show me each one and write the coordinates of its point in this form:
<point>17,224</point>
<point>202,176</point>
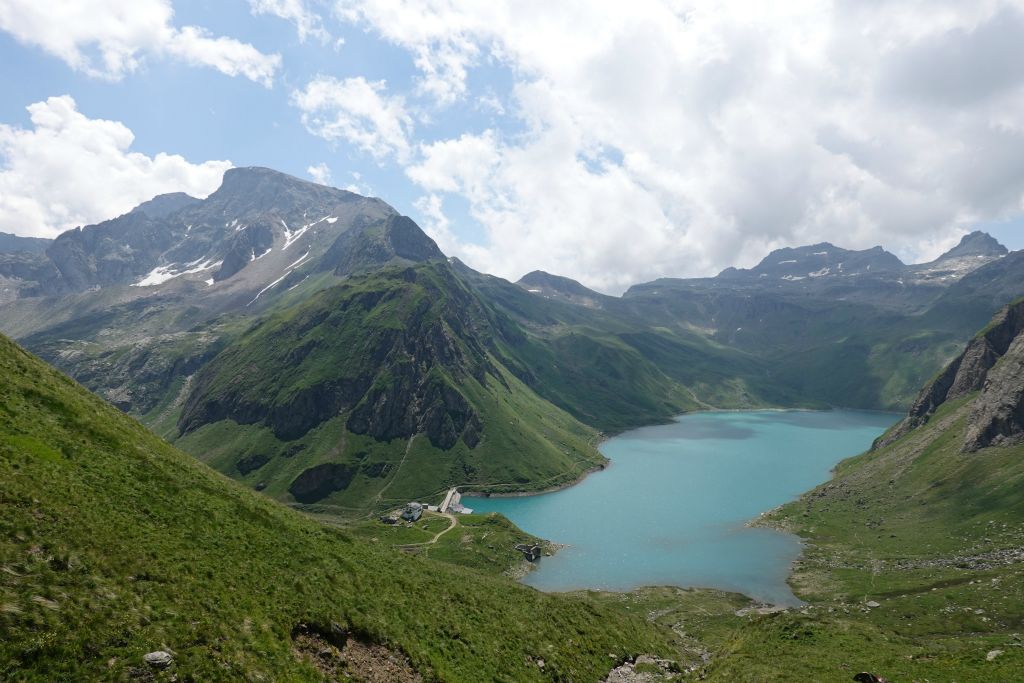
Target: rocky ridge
<point>992,364</point>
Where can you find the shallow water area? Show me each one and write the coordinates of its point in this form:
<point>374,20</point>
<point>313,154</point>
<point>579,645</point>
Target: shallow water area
<point>671,508</point>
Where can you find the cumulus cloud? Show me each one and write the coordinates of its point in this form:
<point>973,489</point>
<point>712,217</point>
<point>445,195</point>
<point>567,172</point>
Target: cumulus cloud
<point>109,39</point>
<point>320,173</point>
<point>675,137</point>
<point>307,22</point>
<point>442,37</point>
<point>70,170</point>
<point>358,111</point>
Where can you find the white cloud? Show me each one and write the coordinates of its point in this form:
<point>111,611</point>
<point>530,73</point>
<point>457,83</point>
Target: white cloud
<point>320,173</point>
<point>358,111</point>
<point>358,185</point>
<point>434,221</point>
<point>674,137</point>
<point>70,170</point>
<point>307,22</point>
<point>441,36</point>
<point>109,38</point>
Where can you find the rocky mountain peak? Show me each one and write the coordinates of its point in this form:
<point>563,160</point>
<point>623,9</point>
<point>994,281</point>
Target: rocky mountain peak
<point>559,287</point>
<point>253,190</point>
<point>974,251</point>
<point>395,239</point>
<point>164,205</point>
<point>174,238</point>
<point>818,261</point>
<point>977,243</point>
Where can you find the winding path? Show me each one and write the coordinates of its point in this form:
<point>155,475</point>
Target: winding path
<point>453,522</point>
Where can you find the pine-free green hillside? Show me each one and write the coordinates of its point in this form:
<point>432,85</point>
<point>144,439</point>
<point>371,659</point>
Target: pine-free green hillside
<point>114,544</point>
<point>912,569</point>
<point>615,369</point>
<point>383,388</point>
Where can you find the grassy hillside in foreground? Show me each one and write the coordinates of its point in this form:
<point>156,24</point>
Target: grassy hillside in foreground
<point>114,544</point>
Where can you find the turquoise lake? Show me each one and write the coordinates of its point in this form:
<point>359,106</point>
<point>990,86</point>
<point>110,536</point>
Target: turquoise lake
<point>671,507</point>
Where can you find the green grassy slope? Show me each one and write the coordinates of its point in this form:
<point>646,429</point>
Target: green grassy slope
<point>482,541</point>
<point>612,367</point>
<point>113,544</point>
<point>387,387</point>
<point>832,348</point>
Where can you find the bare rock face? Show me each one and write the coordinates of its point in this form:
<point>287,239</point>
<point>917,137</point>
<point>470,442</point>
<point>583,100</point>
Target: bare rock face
<point>997,417</point>
<point>992,363</point>
<point>316,483</point>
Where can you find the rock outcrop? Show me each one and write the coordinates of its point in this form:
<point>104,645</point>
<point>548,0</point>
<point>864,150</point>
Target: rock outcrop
<point>991,364</point>
<point>997,416</point>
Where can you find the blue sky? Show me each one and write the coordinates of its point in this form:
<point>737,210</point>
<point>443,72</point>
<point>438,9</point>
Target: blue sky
<point>611,144</point>
<point>202,114</point>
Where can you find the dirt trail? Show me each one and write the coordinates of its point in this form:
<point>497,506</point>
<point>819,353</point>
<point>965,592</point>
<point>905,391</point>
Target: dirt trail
<point>453,522</point>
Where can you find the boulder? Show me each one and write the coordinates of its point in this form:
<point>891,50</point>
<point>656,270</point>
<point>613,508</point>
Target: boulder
<point>158,659</point>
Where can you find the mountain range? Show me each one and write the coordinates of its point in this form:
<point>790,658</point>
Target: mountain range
<point>318,346</point>
<point>124,558</point>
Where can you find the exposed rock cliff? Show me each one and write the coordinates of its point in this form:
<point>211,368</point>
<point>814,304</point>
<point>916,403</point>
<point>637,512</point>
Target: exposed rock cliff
<point>993,364</point>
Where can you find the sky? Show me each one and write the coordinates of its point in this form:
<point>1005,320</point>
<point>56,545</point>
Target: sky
<point>606,141</point>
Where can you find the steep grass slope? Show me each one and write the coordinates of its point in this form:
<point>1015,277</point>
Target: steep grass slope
<point>114,544</point>
<point>383,388</point>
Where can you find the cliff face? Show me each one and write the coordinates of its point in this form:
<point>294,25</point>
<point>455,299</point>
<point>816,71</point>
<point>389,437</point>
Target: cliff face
<point>997,417</point>
<point>992,364</point>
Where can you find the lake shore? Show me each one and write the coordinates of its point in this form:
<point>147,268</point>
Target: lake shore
<point>690,519</point>
<point>607,436</point>
<point>539,492</point>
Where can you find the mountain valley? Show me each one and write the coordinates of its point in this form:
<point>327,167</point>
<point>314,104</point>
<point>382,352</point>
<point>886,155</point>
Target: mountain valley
<point>320,347</point>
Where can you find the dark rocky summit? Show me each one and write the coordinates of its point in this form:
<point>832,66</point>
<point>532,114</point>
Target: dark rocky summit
<point>977,243</point>
<point>365,247</point>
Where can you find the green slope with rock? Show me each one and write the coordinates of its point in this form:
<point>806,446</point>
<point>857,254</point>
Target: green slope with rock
<point>203,319</point>
<point>113,544</point>
<point>383,388</point>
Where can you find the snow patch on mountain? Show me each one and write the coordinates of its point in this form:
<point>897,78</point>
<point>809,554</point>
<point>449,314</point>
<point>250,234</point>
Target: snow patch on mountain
<point>162,274</point>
